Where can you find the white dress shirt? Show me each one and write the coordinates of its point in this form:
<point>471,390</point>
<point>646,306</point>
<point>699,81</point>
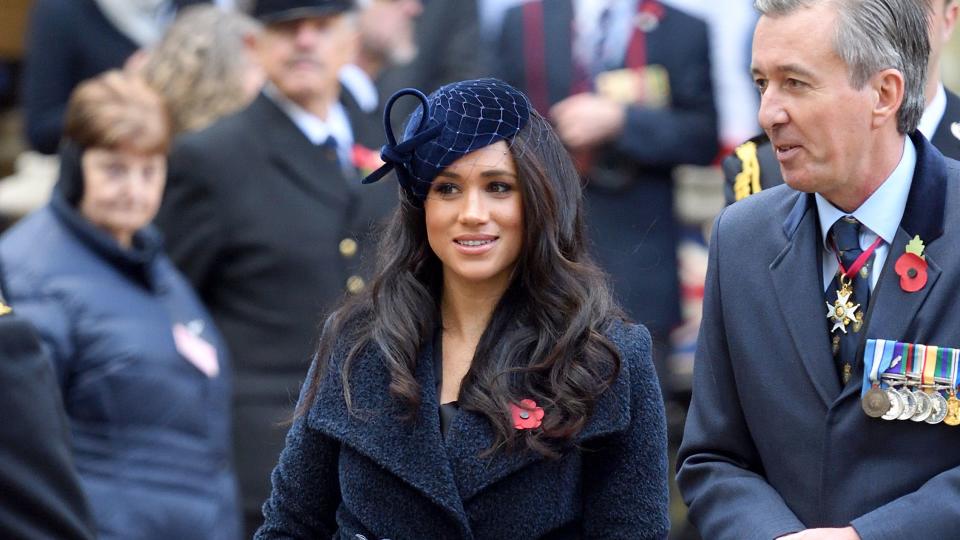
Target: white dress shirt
<point>880,216</point>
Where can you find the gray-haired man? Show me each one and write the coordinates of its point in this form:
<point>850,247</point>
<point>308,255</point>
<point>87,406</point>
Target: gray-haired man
<point>778,442</point>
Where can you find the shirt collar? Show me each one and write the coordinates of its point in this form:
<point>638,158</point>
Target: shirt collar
<point>933,113</point>
<point>360,86</point>
<point>313,127</point>
<point>882,211</point>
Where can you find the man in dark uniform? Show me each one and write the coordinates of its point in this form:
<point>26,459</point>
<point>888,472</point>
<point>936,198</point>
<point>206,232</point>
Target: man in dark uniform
<point>806,422</point>
<point>40,494</point>
<point>632,102</point>
<point>753,165</point>
<point>264,215</point>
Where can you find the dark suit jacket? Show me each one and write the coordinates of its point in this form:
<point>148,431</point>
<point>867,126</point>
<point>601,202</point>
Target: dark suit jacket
<point>256,217</point>
<point>773,444</point>
<point>370,473</point>
<point>737,173</point>
<point>631,225</point>
<point>40,494</point>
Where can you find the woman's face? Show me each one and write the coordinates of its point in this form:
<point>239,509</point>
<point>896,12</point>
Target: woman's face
<point>121,190</point>
<point>474,218</point>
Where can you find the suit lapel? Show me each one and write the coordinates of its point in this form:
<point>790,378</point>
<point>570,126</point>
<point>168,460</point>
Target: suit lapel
<point>301,161</point>
<point>893,310</point>
<point>413,450</point>
<point>947,136</point>
<point>799,291</point>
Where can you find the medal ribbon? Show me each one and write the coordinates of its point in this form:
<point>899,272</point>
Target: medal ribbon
<point>851,272</point>
<point>873,363</point>
<point>954,362</point>
<point>929,365</point>
<point>943,358</point>
<point>891,351</point>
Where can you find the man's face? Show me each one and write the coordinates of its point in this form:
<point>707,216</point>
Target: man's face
<point>387,30</point>
<point>818,123</point>
<point>303,56</point>
<point>943,21</point>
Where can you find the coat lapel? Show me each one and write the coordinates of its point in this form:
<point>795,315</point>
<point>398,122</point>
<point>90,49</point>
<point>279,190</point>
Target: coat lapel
<point>892,310</point>
<point>947,136</point>
<point>413,450</point>
<point>470,435</point>
<point>796,279</point>
<point>300,160</point>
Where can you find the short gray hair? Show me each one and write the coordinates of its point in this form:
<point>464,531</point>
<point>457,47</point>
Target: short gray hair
<point>873,35</point>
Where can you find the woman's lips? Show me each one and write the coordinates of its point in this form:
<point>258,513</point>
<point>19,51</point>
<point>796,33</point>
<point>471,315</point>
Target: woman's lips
<point>474,244</point>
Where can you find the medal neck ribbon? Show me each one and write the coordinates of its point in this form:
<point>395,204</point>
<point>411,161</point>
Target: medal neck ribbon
<point>851,272</point>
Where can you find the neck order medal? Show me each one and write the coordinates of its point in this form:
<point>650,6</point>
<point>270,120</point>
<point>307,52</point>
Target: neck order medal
<point>843,312</point>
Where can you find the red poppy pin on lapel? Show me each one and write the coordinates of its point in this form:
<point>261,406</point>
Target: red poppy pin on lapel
<point>526,415</point>
<point>912,266</point>
<point>365,159</point>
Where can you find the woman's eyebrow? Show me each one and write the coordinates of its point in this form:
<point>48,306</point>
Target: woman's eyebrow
<point>448,174</point>
<point>497,172</point>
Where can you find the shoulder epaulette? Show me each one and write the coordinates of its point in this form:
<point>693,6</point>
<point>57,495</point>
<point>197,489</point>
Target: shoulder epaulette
<point>747,181</point>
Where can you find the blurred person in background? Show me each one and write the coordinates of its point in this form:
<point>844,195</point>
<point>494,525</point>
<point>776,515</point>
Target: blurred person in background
<point>631,101</point>
<point>446,34</point>
<point>263,215</point>
<point>41,495</point>
<point>205,66</point>
<point>69,41</point>
<point>753,165</point>
<point>387,41</point>
<point>144,375</point>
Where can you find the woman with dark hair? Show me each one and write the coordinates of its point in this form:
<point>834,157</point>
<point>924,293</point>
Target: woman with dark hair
<point>141,368</point>
<point>485,385</point>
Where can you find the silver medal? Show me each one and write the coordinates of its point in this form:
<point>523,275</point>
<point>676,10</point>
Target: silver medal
<point>938,408</point>
<point>923,406</point>
<point>896,404</point>
<point>909,404</point>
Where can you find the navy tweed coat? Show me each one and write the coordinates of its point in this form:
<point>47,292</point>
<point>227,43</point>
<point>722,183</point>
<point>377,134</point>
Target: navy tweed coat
<point>371,475</point>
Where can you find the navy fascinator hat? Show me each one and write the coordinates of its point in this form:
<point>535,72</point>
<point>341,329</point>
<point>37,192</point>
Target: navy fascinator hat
<point>453,121</point>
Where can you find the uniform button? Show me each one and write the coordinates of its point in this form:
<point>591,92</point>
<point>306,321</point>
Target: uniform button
<point>359,536</point>
<point>355,284</point>
<point>348,247</point>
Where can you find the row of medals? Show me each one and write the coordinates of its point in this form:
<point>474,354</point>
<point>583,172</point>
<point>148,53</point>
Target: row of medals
<point>904,398</point>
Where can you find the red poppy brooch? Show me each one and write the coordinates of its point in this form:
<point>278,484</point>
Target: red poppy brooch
<point>912,266</point>
<point>526,415</point>
<point>365,159</point>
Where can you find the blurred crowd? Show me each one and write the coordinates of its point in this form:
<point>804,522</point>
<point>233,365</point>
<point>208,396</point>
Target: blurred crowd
<point>182,203</point>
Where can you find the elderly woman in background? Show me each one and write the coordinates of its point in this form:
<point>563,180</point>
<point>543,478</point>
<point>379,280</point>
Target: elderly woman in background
<point>141,367</point>
<point>204,66</point>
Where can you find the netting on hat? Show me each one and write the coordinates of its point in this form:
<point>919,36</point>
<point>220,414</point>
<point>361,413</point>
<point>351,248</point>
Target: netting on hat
<point>461,118</point>
<point>474,114</point>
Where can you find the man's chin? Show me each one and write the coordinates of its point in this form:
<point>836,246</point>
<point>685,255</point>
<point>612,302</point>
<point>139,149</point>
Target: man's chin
<point>797,181</point>
<point>302,88</point>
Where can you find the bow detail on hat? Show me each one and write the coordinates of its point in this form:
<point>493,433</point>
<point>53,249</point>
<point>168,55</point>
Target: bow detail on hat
<point>398,156</point>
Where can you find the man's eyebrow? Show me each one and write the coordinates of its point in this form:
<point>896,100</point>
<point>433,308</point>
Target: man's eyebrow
<point>788,69</point>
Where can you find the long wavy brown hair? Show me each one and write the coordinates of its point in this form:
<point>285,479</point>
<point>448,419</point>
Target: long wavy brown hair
<point>545,339</point>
